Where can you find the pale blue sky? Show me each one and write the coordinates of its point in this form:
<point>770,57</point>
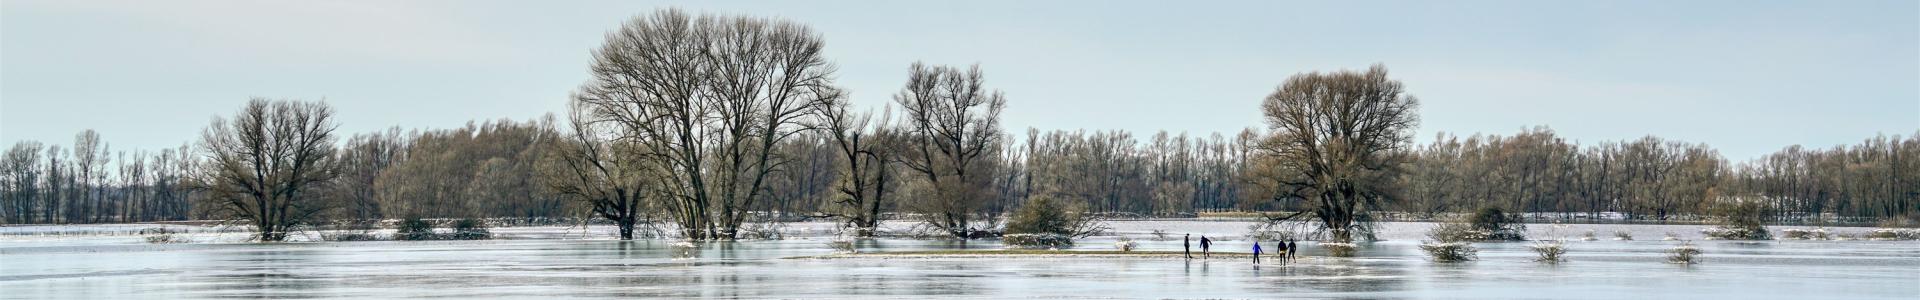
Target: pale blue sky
<point>1746,77</point>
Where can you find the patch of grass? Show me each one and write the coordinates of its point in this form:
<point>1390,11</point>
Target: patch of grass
<point>349,237</point>
<point>1622,235</point>
<point>1238,214</point>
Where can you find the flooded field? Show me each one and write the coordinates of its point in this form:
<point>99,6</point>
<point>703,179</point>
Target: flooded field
<point>105,262</point>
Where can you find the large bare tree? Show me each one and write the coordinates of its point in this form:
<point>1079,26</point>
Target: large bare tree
<point>953,128</point>
<point>867,151</point>
<point>709,98</point>
<point>263,164</point>
<point>1338,140</point>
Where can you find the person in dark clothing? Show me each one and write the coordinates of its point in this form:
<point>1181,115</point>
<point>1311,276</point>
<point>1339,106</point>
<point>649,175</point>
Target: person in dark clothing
<point>1186,245</point>
<point>1206,247</point>
<point>1256,252</point>
<point>1296,250</point>
<point>1284,251</point>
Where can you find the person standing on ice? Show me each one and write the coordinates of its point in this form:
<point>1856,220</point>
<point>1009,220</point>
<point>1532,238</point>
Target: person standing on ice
<point>1186,245</point>
<point>1284,251</point>
<point>1256,252</point>
<point>1206,247</point>
<point>1295,247</point>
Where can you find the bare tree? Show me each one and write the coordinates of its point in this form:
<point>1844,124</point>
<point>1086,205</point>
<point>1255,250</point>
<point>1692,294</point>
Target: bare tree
<point>867,150</point>
<point>609,175</point>
<point>21,171</point>
<point>1337,144</point>
<point>90,163</point>
<point>264,162</point>
<point>709,97</point>
<point>953,125</point>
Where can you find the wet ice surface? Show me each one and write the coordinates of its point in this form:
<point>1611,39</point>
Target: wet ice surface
<point>558,262</point>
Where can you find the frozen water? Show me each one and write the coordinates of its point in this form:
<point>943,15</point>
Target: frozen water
<point>114,262</point>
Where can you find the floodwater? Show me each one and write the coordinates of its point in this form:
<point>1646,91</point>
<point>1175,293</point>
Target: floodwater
<point>103,262</point>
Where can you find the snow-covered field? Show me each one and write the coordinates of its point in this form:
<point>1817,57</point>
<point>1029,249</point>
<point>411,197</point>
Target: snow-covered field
<point>116,262</point>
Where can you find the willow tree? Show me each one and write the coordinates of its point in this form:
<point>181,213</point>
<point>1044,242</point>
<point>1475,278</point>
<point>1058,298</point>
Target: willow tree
<point>1337,142</point>
<point>953,135</point>
<point>707,99</point>
<point>264,164</point>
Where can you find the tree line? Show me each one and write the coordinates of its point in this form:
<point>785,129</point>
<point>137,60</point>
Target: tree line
<point>706,124</point>
<point>1654,178</point>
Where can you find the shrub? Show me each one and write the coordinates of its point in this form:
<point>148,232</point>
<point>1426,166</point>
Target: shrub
<point>1125,244</point>
<point>1740,220</point>
<point>1670,236</point>
<point>1456,232</point>
<point>1549,251</point>
<point>1685,253</point>
<point>165,239</point>
<point>471,229</point>
<point>1588,236</point>
<point>843,246</point>
<point>1622,235</point>
<point>1450,251</point>
<point>1340,249</point>
<point>1271,231</point>
<point>1038,240</point>
<point>762,231</point>
<point>1736,233</point>
<point>1806,234</point>
<point>414,229</point>
<point>1498,224</point>
<point>1043,222</point>
<point>1893,234</point>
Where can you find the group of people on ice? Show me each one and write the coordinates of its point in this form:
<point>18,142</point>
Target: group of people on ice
<point>1288,249</point>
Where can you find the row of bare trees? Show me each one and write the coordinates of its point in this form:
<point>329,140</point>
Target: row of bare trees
<point>42,183</point>
<point>1652,178</point>
<point>708,123</point>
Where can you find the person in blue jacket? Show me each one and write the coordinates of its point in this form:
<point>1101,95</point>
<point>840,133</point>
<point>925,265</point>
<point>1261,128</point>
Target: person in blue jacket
<point>1256,252</point>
